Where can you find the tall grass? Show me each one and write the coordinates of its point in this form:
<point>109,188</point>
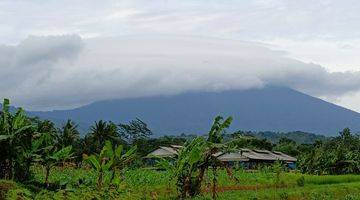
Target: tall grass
<point>331,179</point>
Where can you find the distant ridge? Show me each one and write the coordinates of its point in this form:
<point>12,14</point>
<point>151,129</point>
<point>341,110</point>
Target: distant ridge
<point>268,109</point>
<point>297,136</point>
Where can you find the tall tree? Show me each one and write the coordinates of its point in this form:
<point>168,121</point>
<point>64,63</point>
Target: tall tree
<point>134,130</point>
<point>248,141</point>
<point>287,146</point>
<point>101,132</point>
<point>68,134</point>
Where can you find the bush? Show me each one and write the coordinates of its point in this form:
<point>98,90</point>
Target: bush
<point>350,197</point>
<point>301,181</point>
<point>19,193</point>
<point>5,186</point>
<point>284,196</point>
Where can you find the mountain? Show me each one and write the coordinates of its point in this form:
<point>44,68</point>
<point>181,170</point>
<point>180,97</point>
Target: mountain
<point>270,108</point>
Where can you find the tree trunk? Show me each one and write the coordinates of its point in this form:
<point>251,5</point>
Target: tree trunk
<point>100,179</point>
<point>214,188</point>
<point>112,176</point>
<point>10,172</point>
<point>47,173</point>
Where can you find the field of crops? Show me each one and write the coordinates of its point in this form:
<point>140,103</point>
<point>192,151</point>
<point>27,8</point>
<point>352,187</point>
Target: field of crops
<point>69,183</point>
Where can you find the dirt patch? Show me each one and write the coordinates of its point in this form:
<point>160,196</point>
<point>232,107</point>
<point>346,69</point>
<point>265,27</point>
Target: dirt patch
<point>244,187</point>
<point>5,186</point>
<point>155,194</point>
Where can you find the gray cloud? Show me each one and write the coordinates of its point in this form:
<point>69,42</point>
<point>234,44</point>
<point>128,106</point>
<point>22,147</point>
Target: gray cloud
<point>28,65</point>
<point>66,71</point>
<point>36,50</point>
<point>255,19</point>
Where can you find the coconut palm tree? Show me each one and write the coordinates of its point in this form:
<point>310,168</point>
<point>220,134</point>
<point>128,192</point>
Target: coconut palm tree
<point>102,131</point>
<point>68,134</point>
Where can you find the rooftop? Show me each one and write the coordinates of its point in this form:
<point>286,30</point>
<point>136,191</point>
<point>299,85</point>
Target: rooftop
<point>241,155</point>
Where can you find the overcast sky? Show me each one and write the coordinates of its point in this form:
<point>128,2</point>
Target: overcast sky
<point>63,54</point>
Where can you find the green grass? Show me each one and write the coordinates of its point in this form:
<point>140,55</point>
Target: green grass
<point>331,179</point>
<point>346,191</point>
<point>148,184</point>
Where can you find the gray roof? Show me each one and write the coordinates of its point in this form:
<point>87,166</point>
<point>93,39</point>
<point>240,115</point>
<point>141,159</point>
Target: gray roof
<point>267,155</point>
<point>242,155</point>
<point>176,146</point>
<point>257,155</point>
<point>163,152</point>
<point>284,157</point>
<point>232,156</point>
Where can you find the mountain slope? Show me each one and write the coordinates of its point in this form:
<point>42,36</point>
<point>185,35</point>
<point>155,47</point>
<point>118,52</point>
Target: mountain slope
<point>271,108</point>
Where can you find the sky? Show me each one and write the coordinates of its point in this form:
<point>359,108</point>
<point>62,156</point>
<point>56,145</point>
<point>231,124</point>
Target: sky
<point>64,54</point>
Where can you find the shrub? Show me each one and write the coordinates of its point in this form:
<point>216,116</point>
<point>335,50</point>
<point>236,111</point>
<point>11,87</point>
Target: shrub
<point>284,196</point>
<point>19,193</point>
<point>301,181</point>
<point>350,197</point>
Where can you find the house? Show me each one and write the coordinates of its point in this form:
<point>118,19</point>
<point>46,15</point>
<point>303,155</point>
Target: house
<point>232,158</point>
<point>246,157</point>
<point>164,152</point>
<point>257,157</point>
<point>161,152</point>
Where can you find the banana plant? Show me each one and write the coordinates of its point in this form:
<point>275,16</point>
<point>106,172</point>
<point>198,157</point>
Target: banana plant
<point>196,158</point>
<point>109,161</point>
<point>185,168</point>
<point>48,154</point>
<point>16,132</point>
<point>217,130</point>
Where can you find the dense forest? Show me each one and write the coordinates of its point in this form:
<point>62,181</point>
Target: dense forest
<point>28,143</point>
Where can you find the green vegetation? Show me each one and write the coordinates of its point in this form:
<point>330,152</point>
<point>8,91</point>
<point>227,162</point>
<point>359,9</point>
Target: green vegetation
<point>148,184</point>
<point>109,161</point>
<point>40,161</point>
<point>340,155</point>
<point>196,158</point>
<point>297,136</point>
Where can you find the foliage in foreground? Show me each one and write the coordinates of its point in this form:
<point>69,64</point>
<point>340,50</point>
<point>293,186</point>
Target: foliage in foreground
<point>196,158</point>
<point>146,184</point>
<point>15,144</point>
<point>108,161</point>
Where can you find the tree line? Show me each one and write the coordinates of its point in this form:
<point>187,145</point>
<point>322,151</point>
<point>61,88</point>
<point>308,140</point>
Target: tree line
<point>25,141</point>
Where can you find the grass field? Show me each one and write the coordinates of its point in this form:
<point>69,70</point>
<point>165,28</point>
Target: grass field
<point>71,183</point>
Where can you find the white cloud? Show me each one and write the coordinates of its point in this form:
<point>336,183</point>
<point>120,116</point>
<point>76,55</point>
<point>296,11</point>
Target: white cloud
<point>65,71</point>
<point>306,28</point>
<point>324,32</point>
<point>338,56</point>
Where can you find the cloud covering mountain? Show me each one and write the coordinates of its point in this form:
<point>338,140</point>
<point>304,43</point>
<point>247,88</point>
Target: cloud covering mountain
<point>67,71</point>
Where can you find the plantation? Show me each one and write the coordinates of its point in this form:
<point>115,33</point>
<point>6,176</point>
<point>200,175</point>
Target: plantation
<point>150,184</point>
<point>41,161</point>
